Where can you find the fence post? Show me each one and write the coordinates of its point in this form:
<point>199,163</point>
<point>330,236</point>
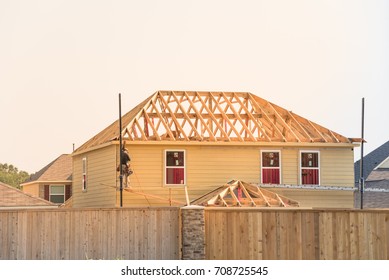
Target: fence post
<point>193,233</point>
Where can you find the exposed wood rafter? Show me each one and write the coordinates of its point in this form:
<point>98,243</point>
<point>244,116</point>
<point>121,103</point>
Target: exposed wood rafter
<point>213,117</point>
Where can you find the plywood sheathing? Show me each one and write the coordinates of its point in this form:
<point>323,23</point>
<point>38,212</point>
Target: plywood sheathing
<point>213,117</point>
<point>241,194</point>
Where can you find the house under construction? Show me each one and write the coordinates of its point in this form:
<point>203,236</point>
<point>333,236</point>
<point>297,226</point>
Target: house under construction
<point>185,144</point>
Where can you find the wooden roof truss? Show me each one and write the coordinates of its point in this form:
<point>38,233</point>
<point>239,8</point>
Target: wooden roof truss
<point>221,116</point>
<point>241,194</point>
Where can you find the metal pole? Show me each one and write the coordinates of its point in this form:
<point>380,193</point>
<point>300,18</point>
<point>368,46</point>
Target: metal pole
<point>362,179</point>
<point>121,150</point>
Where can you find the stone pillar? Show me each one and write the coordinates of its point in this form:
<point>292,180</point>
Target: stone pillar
<point>193,233</point>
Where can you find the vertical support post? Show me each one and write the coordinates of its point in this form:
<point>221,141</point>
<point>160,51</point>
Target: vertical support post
<point>362,179</point>
<point>193,233</point>
<point>121,150</point>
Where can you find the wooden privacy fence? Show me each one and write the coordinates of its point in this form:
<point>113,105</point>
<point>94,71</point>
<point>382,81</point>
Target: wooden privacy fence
<point>210,233</point>
<point>296,234</point>
<point>78,234</point>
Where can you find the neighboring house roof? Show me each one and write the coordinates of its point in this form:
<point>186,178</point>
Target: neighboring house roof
<point>213,117</point>
<point>12,197</point>
<point>379,174</point>
<point>371,161</point>
<point>242,194</point>
<point>59,169</point>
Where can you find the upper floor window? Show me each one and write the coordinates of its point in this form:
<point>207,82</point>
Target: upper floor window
<point>84,178</point>
<point>57,193</point>
<point>310,169</point>
<point>271,167</point>
<point>175,168</point>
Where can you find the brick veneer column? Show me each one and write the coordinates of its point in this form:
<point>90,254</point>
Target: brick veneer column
<point>193,233</point>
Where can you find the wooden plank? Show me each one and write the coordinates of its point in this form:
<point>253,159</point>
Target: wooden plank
<point>326,235</point>
<point>214,117</point>
<point>232,127</point>
<point>354,236</point>
<point>238,117</point>
<point>269,235</point>
<point>233,233</point>
<point>308,235</point>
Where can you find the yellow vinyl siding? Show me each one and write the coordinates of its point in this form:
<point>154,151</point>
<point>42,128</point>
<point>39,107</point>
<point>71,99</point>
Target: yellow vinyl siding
<point>289,166</point>
<point>32,189</point>
<point>337,167</point>
<point>101,169</point>
<point>207,167</point>
<point>319,198</point>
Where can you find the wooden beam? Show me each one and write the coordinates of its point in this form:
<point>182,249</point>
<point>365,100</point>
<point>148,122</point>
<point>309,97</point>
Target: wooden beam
<point>246,129</point>
<point>236,200</point>
<point>246,193</point>
<point>200,117</point>
<point>185,116</point>
<point>253,117</point>
<point>150,122</point>
<point>300,126</point>
<point>283,123</point>
<point>226,119</point>
<point>163,121</point>
<point>211,114</point>
<point>136,122</point>
<point>265,115</point>
<point>177,123</point>
<point>317,130</point>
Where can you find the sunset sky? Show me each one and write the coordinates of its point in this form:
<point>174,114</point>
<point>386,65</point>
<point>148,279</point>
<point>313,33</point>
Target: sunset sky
<point>63,63</point>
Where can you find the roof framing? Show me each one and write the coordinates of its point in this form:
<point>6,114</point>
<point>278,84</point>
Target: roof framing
<point>241,194</point>
<point>183,116</point>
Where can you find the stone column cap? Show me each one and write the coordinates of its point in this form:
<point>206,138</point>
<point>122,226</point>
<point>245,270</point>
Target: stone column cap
<point>196,207</point>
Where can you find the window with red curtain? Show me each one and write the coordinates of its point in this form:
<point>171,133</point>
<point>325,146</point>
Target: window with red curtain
<point>175,168</point>
<point>271,167</point>
<point>310,168</point>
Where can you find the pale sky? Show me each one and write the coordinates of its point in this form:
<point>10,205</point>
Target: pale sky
<point>63,63</point>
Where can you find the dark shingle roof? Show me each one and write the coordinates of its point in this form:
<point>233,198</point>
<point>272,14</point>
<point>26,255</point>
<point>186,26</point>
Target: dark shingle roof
<point>371,161</point>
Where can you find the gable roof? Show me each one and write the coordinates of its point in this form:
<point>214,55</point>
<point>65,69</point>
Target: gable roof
<point>213,117</point>
<point>242,194</point>
<point>59,169</point>
<point>12,197</point>
<point>371,161</point>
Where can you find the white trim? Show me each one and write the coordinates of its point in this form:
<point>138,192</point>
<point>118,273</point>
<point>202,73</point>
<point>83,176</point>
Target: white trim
<point>381,163</point>
<point>313,168</point>
<point>165,167</point>
<point>66,182</point>
<point>279,166</point>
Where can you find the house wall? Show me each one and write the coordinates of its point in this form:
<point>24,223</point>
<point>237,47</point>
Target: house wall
<point>208,167</point>
<point>101,173</point>
<point>37,189</point>
<point>33,189</point>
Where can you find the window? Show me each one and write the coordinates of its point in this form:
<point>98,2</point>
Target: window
<point>271,167</point>
<point>84,179</point>
<point>309,165</point>
<point>175,167</point>
<point>57,193</point>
